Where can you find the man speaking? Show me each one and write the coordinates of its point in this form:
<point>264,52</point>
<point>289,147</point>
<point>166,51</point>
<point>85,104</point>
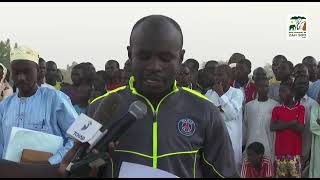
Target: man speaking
<point>182,133</point>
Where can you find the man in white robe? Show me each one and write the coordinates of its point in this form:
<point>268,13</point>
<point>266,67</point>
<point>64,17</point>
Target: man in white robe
<point>229,100</point>
<point>257,119</point>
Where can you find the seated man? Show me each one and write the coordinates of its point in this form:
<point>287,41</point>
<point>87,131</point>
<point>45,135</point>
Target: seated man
<point>39,109</point>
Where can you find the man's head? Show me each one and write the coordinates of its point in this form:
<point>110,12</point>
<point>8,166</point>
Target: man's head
<point>77,74</point>
<point>184,76</point>
<point>111,66</point>
<point>223,75</point>
<point>276,63</point>
<point>285,70</point>
<point>300,70</point>
<point>59,75</point>
<point>259,73</point>
<point>192,64</point>
<point>211,64</point>
<point>255,153</point>
<point>311,64</point>
<point>243,69</point>
<point>42,68</point>
<point>155,52</point>
<point>52,72</point>
<point>236,57</point>
<point>286,93</point>
<point>24,69</point>
<point>300,86</point>
<point>262,86</point>
<point>127,66</point>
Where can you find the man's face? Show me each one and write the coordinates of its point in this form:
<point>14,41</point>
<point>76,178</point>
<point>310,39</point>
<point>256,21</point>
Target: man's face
<point>155,59</point>
<point>76,76</point>
<point>283,71</point>
<point>253,157</point>
<point>300,71</point>
<point>220,76</point>
<point>184,76</point>
<point>42,70</point>
<point>262,87</point>
<point>284,93</point>
<point>24,74</point>
<point>275,66</point>
<point>242,71</point>
<point>301,86</point>
<point>191,65</point>
<point>52,72</point>
<point>110,68</point>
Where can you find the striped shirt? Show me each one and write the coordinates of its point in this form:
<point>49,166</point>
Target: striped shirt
<point>248,170</point>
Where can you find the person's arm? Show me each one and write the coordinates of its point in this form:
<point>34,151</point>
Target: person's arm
<point>217,156</point>
<point>279,125</point>
<point>232,106</point>
<point>298,124</point>
<point>65,116</point>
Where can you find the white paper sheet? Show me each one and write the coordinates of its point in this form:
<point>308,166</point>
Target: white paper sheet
<point>132,170</point>
<point>21,138</point>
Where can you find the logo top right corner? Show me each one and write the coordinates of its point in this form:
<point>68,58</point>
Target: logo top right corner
<point>297,28</point>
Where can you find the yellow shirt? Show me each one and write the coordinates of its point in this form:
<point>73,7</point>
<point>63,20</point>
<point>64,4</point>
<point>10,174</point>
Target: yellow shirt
<point>273,81</point>
<point>57,86</point>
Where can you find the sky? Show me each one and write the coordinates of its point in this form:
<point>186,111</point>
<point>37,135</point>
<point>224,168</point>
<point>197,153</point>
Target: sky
<point>98,31</point>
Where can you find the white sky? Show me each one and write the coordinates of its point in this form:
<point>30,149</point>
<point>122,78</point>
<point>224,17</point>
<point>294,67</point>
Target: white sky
<point>96,32</point>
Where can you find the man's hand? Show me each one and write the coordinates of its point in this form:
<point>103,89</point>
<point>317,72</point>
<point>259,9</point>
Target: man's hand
<point>218,88</point>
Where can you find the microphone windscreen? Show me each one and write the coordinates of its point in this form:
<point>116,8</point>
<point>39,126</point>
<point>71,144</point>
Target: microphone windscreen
<point>107,108</point>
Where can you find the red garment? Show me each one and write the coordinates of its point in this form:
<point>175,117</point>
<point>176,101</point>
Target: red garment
<point>288,141</point>
<point>248,170</point>
<point>110,87</point>
<point>249,90</point>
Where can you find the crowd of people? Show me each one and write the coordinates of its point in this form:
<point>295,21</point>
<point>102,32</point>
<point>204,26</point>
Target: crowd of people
<point>271,126</point>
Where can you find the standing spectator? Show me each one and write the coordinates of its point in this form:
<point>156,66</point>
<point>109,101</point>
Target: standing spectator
<point>52,75</point>
<point>256,165</point>
<point>288,124</point>
<point>42,74</point>
<point>184,76</point>
<point>110,67</point>
<point>243,82</point>
<point>78,78</point>
<point>301,85</point>
<point>40,109</point>
<point>233,60</point>
<point>229,100</point>
<point>211,64</point>
<point>59,76</point>
<point>259,73</point>
<point>315,145</point>
<point>283,73</point>
<point>257,118</point>
<point>276,61</point>
<point>193,65</point>
<point>311,64</point>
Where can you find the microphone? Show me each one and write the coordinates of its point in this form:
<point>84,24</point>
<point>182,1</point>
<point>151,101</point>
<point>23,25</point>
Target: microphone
<point>137,111</point>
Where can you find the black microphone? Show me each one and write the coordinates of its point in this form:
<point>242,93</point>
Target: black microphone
<point>137,111</point>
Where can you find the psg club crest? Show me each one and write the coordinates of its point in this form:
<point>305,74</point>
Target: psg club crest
<point>186,127</point>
